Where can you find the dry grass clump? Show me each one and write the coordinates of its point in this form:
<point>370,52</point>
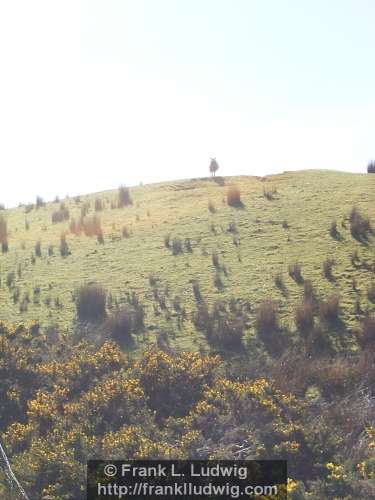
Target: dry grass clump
<point>327,268</point>
<point>90,302</point>
<point>360,227</point>
<point>3,234</point>
<point>124,197</point>
<point>304,317</point>
<point>234,196</point>
<point>329,310</point>
<point>295,272</point>
<point>61,214</point>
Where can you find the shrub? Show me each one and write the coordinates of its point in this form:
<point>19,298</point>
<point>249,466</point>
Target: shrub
<point>50,250</point>
<point>371,293</point>
<point>295,272</point>
<point>360,226</point>
<point>39,202</point>
<point>197,291</point>
<point>308,290</point>
<point>327,268</point>
<point>218,281</point>
<point>64,248</point>
<point>10,279</point>
<point>279,282</point>
<point>38,248</point>
<point>124,197</point>
<point>329,310</point>
<point>90,302</point>
<point>285,224</point>
<point>61,214</point>
<point>188,245</point>
<point>85,209</point>
<point>177,246</point>
<point>4,246</point>
<point>3,229</point>
<point>371,167</point>
<point>211,206</point>
<point>120,324</point>
<point>91,225</point>
<point>234,196</point>
<point>333,230</point>
<point>125,232</point>
<point>215,259</point>
<point>167,240</point>
<point>98,206</point>
<point>304,317</point>
<point>266,318</point>
<point>100,237</point>
<point>269,193</point>
<point>366,336</point>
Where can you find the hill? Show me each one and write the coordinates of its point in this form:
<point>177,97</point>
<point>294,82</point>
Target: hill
<point>207,318</point>
<point>242,252</point>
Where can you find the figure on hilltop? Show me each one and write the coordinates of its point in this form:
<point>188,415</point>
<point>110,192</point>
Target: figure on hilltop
<point>214,167</point>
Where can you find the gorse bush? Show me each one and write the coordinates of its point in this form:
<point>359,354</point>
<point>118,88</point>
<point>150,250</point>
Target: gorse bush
<point>91,302</point>
<point>266,318</point>
<point>234,196</point>
<point>124,197</point>
<point>120,324</point>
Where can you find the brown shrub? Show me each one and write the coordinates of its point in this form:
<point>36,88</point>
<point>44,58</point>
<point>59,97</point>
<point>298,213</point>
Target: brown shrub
<point>366,336</point>
<point>234,196</point>
<point>98,205</point>
<point>124,197</point>
<point>295,272</point>
<point>64,248</point>
<point>267,319</point>
<point>3,229</point>
<point>360,226</point>
<point>327,268</point>
<point>120,324</point>
<point>38,248</point>
<point>90,302</point>
<point>91,225</point>
<point>329,310</point>
<point>61,214</point>
<point>304,317</point>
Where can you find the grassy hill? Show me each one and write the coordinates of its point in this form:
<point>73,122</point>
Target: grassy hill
<point>274,274</point>
<point>240,252</point>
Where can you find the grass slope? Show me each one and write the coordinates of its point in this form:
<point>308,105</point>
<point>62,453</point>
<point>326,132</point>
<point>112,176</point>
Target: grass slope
<point>251,241</point>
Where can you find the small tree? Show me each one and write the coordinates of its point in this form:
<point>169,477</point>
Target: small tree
<point>214,167</point>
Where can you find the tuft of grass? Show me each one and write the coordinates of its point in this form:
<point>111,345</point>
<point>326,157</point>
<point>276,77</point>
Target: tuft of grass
<point>91,302</point>
<point>124,197</point>
<point>234,196</point>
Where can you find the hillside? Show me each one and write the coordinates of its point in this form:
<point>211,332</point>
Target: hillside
<point>206,318</point>
<point>254,243</point>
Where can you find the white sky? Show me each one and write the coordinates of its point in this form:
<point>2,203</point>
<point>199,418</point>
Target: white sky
<point>98,93</point>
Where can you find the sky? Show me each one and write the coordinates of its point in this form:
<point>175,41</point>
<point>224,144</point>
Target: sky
<point>98,93</point>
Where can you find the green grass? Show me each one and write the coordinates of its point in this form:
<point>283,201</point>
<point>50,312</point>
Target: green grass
<point>309,201</point>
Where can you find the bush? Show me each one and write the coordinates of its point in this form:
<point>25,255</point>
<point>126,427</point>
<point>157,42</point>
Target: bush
<point>295,272</point>
<point>371,167</point>
<point>266,318</point>
<point>124,197</point>
<point>234,196</point>
<point>304,317</point>
<point>125,232</point>
<point>269,193</point>
<point>4,246</point>
<point>333,230</point>
<point>120,324</point>
<point>85,209</point>
<point>90,302</point>
<point>215,259</point>
<point>329,310</point>
<point>61,214</point>
<point>366,336</point>
<point>64,248</point>
<point>360,226</point>
<point>38,248</point>
<point>327,268</point>
<point>39,202</point>
<point>91,225</point>
<point>371,293</point>
<point>211,206</point>
<point>177,246</point>
<point>98,205</point>
<point>3,229</point>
